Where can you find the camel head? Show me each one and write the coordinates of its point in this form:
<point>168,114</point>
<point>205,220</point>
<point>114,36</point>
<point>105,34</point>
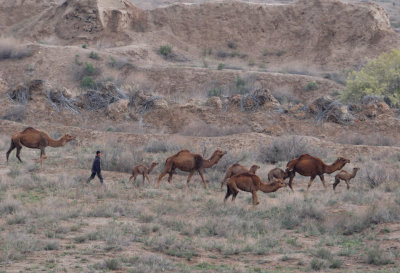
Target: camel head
<point>218,154</point>
<point>68,137</point>
<point>279,183</point>
<point>153,164</point>
<point>341,161</point>
<point>254,168</point>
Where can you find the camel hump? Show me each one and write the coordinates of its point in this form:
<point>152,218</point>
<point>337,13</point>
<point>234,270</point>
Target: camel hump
<point>236,165</point>
<point>198,161</point>
<point>29,129</point>
<point>304,156</point>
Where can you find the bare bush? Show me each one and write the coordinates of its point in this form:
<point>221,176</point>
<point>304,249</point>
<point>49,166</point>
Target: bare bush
<point>16,113</point>
<point>20,94</point>
<point>11,49</point>
<point>374,174</point>
<point>287,148</point>
<point>59,101</point>
<point>159,146</point>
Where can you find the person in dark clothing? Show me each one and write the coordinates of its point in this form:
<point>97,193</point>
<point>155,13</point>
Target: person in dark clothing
<point>96,169</point>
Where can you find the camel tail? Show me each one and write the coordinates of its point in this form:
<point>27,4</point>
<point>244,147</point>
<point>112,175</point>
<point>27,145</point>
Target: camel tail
<point>198,162</point>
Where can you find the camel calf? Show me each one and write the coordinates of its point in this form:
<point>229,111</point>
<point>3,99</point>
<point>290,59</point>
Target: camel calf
<point>143,170</point>
<point>346,176</point>
<point>251,183</point>
<point>277,173</point>
<point>236,169</point>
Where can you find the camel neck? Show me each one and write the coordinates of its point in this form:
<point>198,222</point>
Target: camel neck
<point>210,162</point>
<point>332,168</point>
<point>264,187</point>
<point>353,174</point>
<point>56,143</point>
<point>151,168</point>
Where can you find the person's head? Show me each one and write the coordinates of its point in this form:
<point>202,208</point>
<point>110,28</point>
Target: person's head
<point>98,153</point>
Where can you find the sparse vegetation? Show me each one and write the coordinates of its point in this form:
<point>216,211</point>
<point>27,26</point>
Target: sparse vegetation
<point>94,55</point>
<point>17,113</point>
<point>165,51</point>
<point>310,86</point>
<point>221,66</point>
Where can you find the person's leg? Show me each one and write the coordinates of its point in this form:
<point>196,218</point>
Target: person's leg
<point>91,177</point>
<point>100,177</point>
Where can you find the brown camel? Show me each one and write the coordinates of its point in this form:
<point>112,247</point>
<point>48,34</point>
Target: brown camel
<point>35,139</point>
<point>251,183</point>
<point>189,162</point>
<point>346,176</point>
<point>277,173</point>
<point>236,169</point>
<point>143,170</point>
<point>308,165</point>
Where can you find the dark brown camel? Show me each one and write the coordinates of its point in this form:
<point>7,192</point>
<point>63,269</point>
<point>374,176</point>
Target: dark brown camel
<point>251,183</point>
<point>236,169</point>
<point>143,170</point>
<point>277,173</point>
<point>308,165</point>
<point>189,162</point>
<point>346,176</point>
<point>35,139</point>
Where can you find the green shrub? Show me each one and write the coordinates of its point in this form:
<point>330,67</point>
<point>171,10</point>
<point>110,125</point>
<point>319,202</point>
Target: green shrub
<point>232,44</point>
<point>221,66</point>
<point>379,77</point>
<point>165,50</point>
<point>94,55</point>
<point>84,46</point>
<point>215,92</point>
<point>88,82</point>
<point>311,86</point>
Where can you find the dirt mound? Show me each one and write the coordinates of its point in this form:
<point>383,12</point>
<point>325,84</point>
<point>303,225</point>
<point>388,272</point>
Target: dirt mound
<point>84,20</point>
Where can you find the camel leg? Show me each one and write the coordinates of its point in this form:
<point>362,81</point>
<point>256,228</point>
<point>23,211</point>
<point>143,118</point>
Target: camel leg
<point>291,182</point>
<point>337,181</point>
<point>235,193</point>
<point>202,178</point>
<point>148,179</point>
<point>255,198</point>
<point>228,193</point>
<point>309,184</point>
<point>130,178</point>
<point>134,180</point>
<point>18,153</point>
<point>348,184</point>
<point>12,147</point>
<point>161,176</point>
<point>170,176</point>
<point>189,178</point>
<point>323,180</point>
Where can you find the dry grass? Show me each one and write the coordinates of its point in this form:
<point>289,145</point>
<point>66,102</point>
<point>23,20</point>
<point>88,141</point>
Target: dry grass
<point>146,229</point>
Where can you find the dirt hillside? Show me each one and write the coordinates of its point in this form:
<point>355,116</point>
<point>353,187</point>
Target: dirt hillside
<point>330,33</point>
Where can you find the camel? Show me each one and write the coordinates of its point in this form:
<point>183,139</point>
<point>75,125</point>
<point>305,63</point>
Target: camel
<point>277,173</point>
<point>189,162</point>
<point>35,139</point>
<point>346,176</point>
<point>143,170</point>
<point>251,183</point>
<point>308,165</point>
<point>236,169</point>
